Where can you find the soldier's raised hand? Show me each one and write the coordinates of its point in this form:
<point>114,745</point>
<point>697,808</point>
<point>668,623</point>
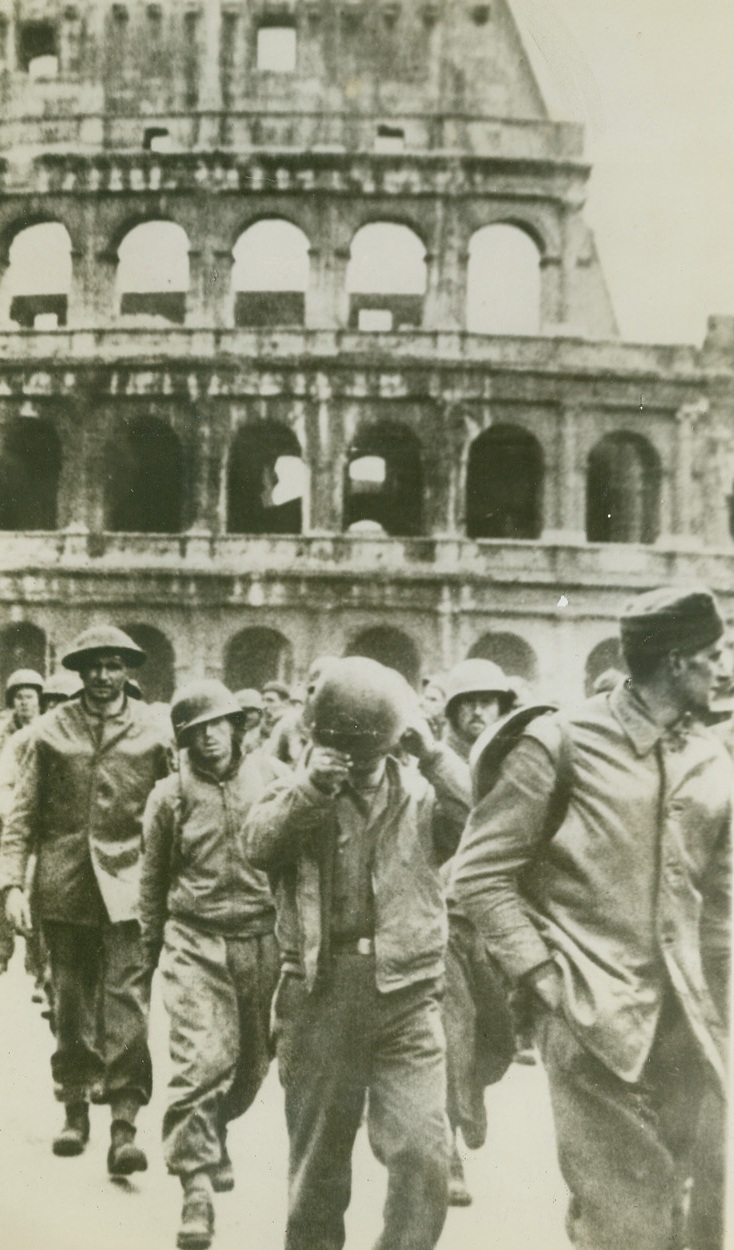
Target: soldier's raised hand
<point>328,769</point>
<point>418,738</point>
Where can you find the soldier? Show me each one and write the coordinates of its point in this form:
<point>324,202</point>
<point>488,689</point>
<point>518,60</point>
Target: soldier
<point>618,918</point>
<point>353,843</point>
<point>275,704</point>
<point>477,694</point>
<point>23,692</point>
<point>89,768</point>
<point>213,916</point>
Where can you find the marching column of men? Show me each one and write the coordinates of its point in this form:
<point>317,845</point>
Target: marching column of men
<point>367,885</point>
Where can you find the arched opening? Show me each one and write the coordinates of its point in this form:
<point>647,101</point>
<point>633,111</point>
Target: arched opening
<point>390,647</point>
<point>270,274</point>
<point>623,490</point>
<point>144,478</point>
<point>38,279</point>
<point>384,479</point>
<point>265,481</point>
<point>504,487</point>
<point>30,464</point>
<point>514,655</point>
<point>153,271</point>
<point>157,677</point>
<point>503,282</point>
<point>603,658</point>
<point>386,278</point>
<point>255,656</point>
<point>22,645</point>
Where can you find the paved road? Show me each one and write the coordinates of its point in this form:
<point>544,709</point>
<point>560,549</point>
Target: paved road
<point>70,1204</point>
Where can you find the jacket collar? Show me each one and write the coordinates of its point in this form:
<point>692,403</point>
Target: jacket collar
<point>643,732</point>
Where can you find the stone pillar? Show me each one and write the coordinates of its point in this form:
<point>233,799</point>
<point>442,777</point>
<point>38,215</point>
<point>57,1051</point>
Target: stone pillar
<point>76,312</point>
<point>210,87</point>
<point>327,302</point>
<point>99,282</point>
<point>717,481</point>
<point>567,519</point>
<point>326,464</point>
<point>681,522</point>
<point>551,292</point>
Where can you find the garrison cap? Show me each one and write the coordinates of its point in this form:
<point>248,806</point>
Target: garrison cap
<point>102,638</point>
<point>670,619</point>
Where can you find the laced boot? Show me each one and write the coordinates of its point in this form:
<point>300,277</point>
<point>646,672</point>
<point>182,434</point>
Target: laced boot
<point>196,1229</point>
<point>124,1156</point>
<point>75,1134</point>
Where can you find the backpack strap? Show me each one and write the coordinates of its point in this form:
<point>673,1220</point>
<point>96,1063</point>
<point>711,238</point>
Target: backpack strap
<point>553,733</point>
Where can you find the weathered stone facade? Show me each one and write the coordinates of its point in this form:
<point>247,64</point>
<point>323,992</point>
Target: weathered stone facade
<point>529,482</point>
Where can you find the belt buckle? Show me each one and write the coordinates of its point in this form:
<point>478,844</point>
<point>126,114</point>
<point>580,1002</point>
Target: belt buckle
<point>365,946</point>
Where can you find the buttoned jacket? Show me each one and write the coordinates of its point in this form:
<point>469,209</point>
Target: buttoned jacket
<point>79,799</point>
<point>630,896</point>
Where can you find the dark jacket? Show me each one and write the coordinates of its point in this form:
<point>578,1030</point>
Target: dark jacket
<point>195,866</point>
<point>631,894</point>
<point>79,798</point>
<point>292,833</point>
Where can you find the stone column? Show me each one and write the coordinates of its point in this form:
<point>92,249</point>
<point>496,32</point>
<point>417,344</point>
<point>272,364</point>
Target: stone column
<point>566,522</point>
<point>327,302</point>
<point>325,462</point>
<point>717,481</point>
<point>210,87</point>
<point>551,292</point>
<point>681,521</point>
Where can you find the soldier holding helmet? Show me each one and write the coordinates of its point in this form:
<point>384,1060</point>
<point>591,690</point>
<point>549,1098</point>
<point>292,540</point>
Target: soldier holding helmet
<point>353,843</point>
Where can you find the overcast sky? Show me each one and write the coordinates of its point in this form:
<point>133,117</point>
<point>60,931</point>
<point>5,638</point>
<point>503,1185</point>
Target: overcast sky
<point>654,83</point>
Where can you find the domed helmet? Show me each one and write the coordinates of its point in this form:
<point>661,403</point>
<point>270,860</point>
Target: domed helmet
<point>360,707</point>
<point>22,677</point>
<point>61,685</point>
<point>477,676</point>
<point>102,638</point>
<point>249,699</point>
<point>201,701</point>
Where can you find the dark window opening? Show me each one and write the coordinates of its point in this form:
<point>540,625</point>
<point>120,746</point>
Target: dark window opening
<point>623,491</point>
<point>156,139</point>
<point>269,308</point>
<point>26,309</point>
<point>171,305</point>
<point>36,41</point>
<point>144,479</point>
<point>385,312</point>
<point>30,465</point>
<point>156,677</point>
<point>504,490</point>
<point>22,645</point>
<point>384,480</point>
<point>264,487</point>
<point>514,655</point>
<point>390,139</point>
<point>255,656</point>
<point>390,647</point>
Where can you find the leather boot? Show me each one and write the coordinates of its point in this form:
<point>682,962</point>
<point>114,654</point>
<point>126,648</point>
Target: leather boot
<point>124,1156</point>
<point>196,1229</point>
<point>459,1195</point>
<point>75,1134</point>
<point>222,1175</point>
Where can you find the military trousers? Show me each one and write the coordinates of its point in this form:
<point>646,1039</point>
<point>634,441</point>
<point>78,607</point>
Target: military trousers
<point>101,997</point>
<point>338,1045</point>
<point>626,1149</point>
<point>217,991</point>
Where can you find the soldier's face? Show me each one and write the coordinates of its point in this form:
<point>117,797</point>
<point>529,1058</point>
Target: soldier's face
<point>103,676</point>
<point>698,675</point>
<point>26,704</point>
<point>474,713</point>
<point>273,709</point>
<point>210,744</point>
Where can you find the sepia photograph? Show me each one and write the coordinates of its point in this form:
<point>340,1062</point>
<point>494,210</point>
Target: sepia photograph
<point>366,624</point>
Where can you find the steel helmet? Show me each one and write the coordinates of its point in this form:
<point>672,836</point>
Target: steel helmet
<point>61,685</point>
<point>249,700</point>
<point>477,677</point>
<point>199,702</point>
<point>102,638</point>
<point>22,677</point>
<point>360,707</point>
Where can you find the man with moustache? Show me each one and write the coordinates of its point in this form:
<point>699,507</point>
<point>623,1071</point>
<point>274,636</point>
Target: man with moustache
<point>83,784</point>
<point>478,693</point>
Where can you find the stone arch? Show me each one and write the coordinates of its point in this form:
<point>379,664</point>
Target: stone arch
<point>22,645</point>
<point>144,486</point>
<point>383,480</point>
<point>37,283</point>
<point>157,677</point>
<point>391,647</point>
<point>30,465</point>
<point>503,280</point>
<point>153,270</point>
<point>265,486</point>
<point>504,484</point>
<point>256,655</point>
<point>623,490</point>
<point>514,655</point>
<point>270,274</point>
<point>607,654</point>
<point>386,277</point>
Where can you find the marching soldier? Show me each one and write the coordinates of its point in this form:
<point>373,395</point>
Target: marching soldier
<point>84,780</point>
<point>478,693</point>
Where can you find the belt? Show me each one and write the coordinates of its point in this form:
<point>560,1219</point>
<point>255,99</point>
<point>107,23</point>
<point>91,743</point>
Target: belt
<point>354,945</point>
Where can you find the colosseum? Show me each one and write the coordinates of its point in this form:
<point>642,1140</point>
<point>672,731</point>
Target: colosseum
<point>305,347</point>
